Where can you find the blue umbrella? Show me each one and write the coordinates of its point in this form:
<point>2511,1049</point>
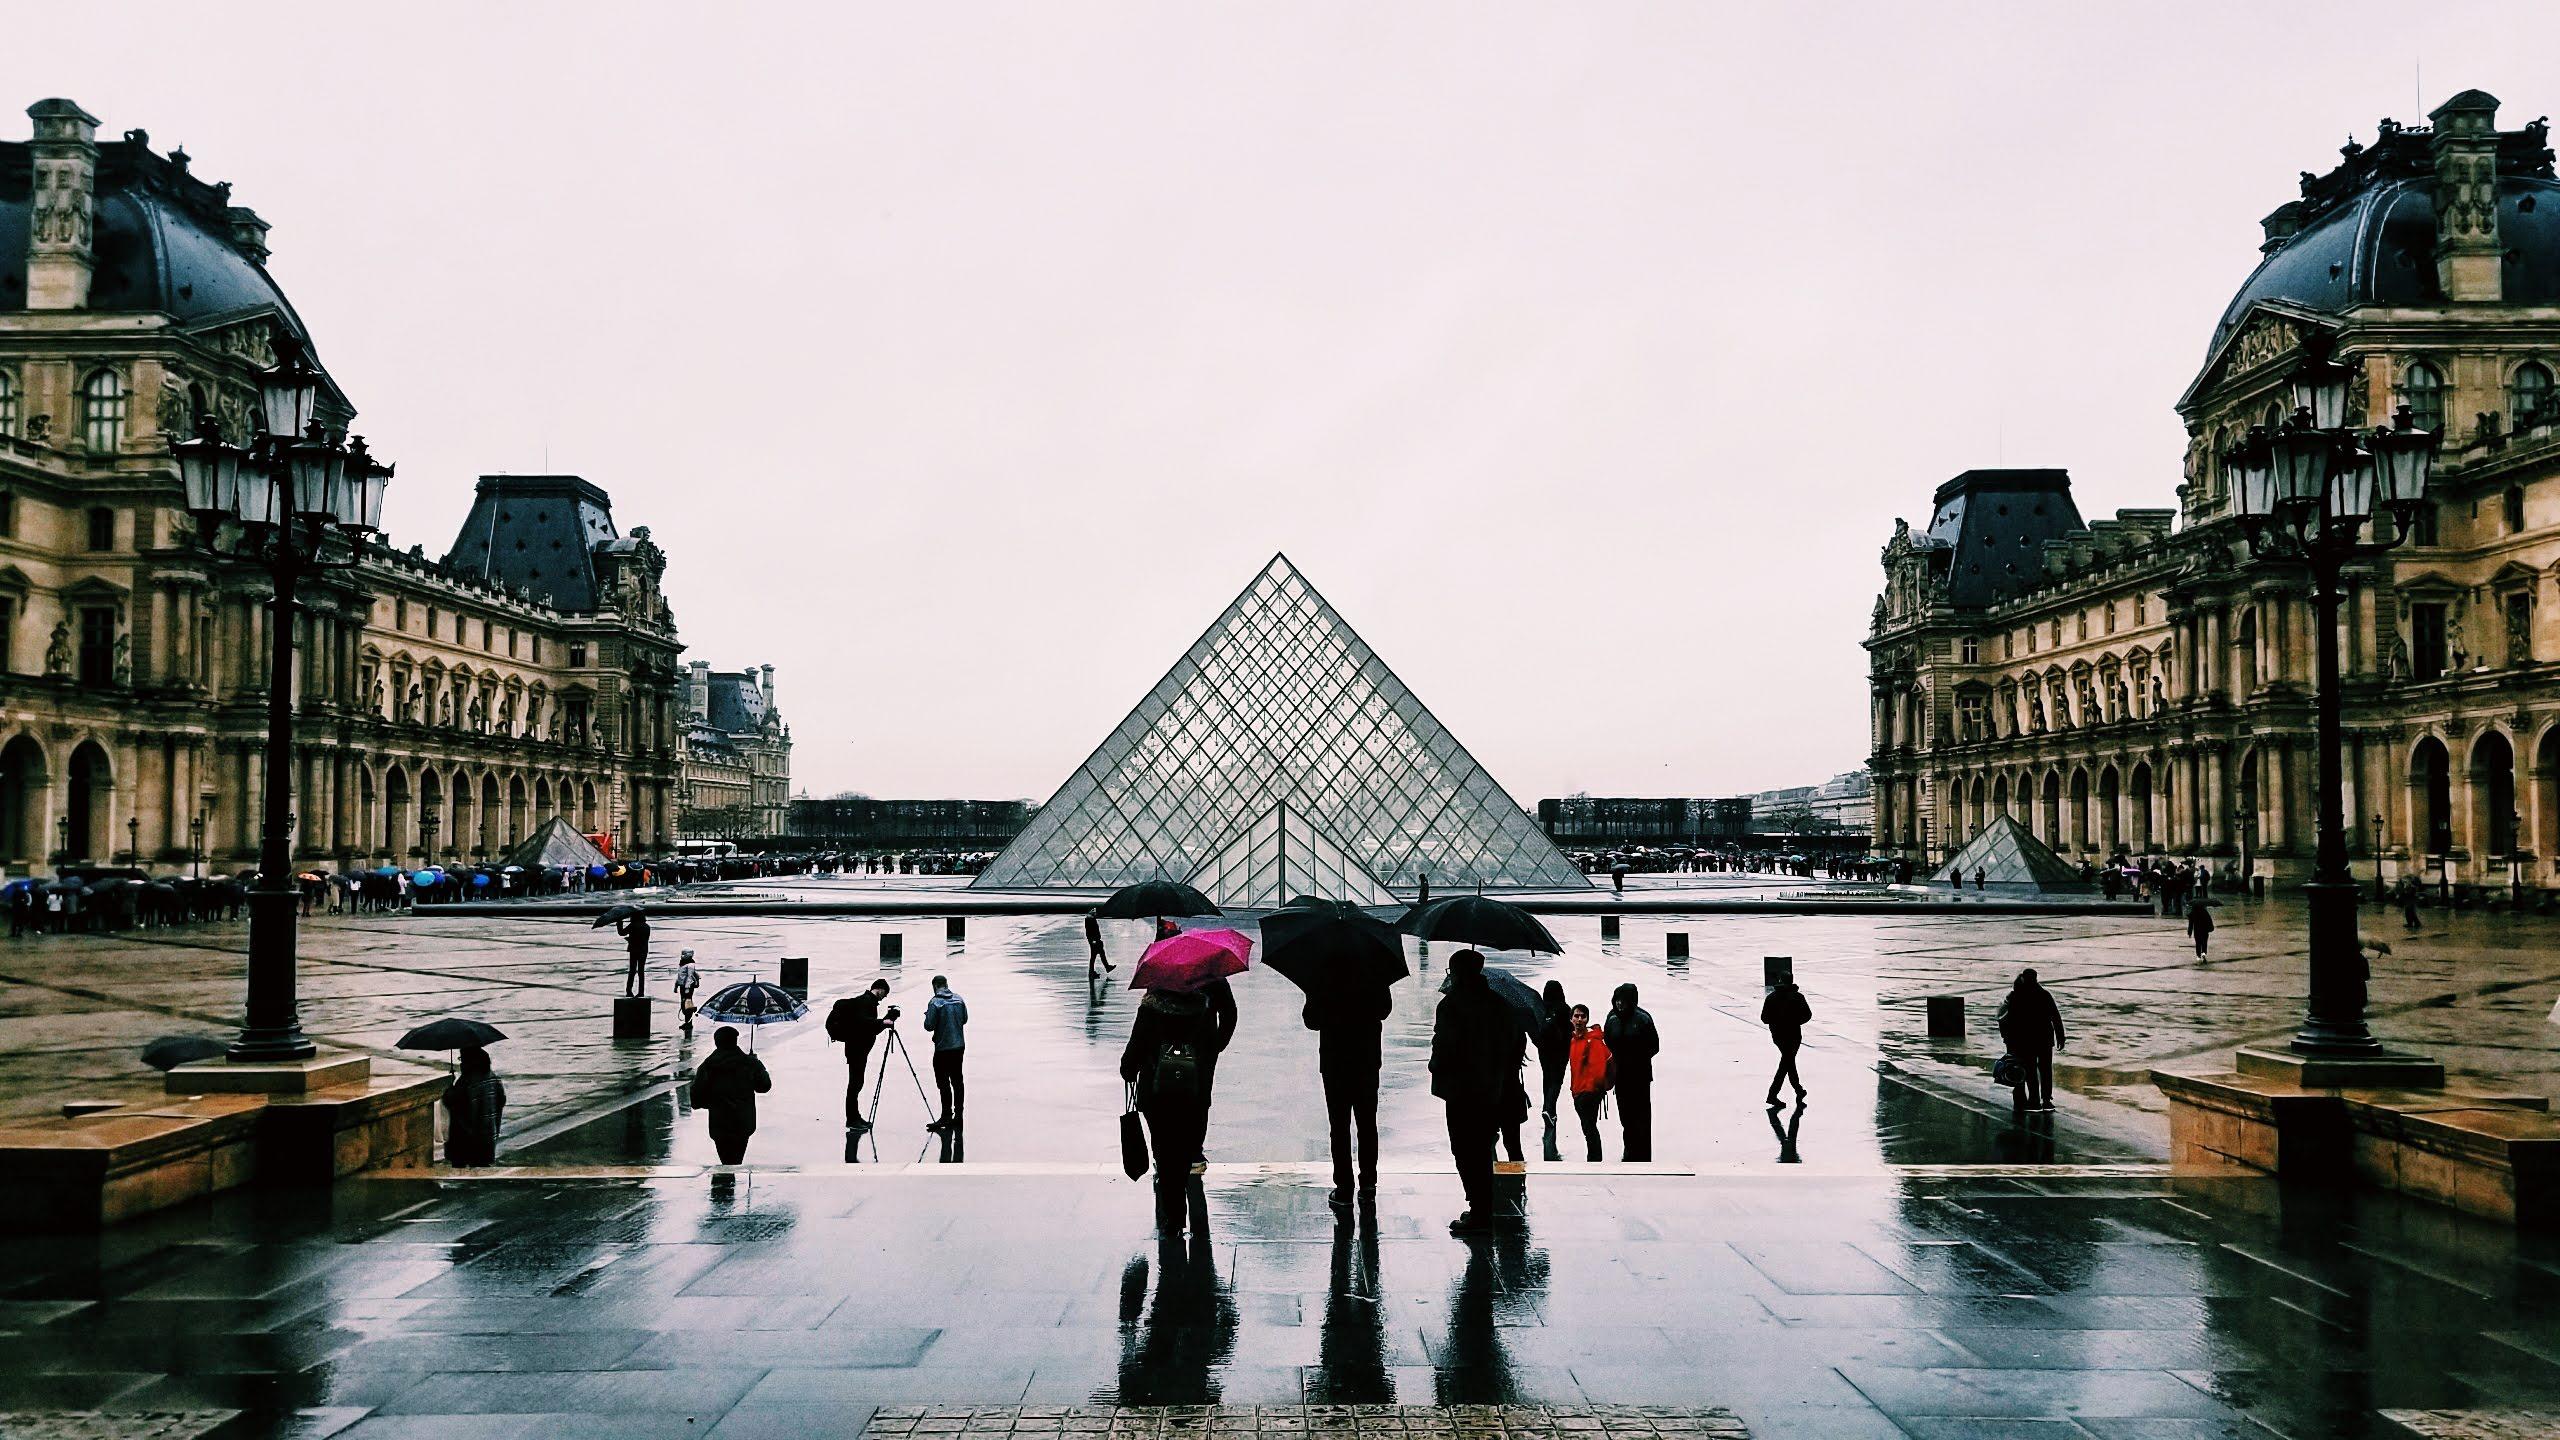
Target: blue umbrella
<point>423,878</point>
<point>753,1003</point>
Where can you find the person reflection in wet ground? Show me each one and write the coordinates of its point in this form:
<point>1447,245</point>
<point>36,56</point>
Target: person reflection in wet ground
<point>725,1086</point>
<point>1351,1343</point>
<point>1174,1347</point>
<point>1474,1074</point>
<point>2029,1142</point>
<point>1167,1059</point>
<point>1633,1042</point>
<point>1786,1133</point>
<point>1505,1281</point>
<point>1555,1056</point>
<point>1347,1058</point>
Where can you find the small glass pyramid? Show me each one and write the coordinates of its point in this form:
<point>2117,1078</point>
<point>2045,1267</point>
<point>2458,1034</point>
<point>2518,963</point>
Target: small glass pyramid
<point>1279,757</point>
<point>2007,854</point>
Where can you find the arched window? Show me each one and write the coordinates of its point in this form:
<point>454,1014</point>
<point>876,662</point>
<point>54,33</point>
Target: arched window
<point>8,404</point>
<point>2529,395</point>
<point>2422,390</point>
<point>102,412</point>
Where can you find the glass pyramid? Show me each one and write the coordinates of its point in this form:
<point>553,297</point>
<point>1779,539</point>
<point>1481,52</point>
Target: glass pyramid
<point>1279,757</point>
<point>2007,854</point>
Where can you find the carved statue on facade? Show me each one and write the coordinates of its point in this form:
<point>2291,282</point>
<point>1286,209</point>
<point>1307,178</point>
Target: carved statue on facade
<point>377,697</point>
<point>2519,634</point>
<point>39,428</point>
<point>2453,644</point>
<point>2397,661</point>
<point>173,417</point>
<point>444,710</point>
<point>123,660</point>
<point>57,651</point>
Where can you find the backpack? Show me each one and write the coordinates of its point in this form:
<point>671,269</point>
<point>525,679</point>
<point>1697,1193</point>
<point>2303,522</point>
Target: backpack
<point>1177,1073</point>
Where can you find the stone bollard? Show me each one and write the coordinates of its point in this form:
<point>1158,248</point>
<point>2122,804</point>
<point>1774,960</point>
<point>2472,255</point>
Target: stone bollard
<point>795,973</point>
<point>630,1017</point>
<point>1777,969</point>
<point>1675,945</point>
<point>1946,1017</point>
<point>955,927</point>
<point>893,948</point>
<point>1608,927</point>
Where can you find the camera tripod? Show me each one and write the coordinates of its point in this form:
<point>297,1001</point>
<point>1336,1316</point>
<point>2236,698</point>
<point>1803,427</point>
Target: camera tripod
<point>900,1046</point>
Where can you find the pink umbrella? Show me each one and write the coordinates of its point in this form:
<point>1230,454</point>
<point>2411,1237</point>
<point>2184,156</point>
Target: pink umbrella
<point>1191,960</point>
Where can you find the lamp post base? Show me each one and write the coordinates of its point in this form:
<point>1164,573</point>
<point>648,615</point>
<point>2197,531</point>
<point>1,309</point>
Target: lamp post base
<point>2377,1069</point>
<point>292,1076</point>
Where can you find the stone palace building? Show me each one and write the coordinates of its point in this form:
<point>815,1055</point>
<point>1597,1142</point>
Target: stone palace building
<point>2140,684</point>
<point>737,756</point>
<point>447,706</point>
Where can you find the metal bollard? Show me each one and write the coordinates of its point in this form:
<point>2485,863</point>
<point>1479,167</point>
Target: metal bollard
<point>1675,945</point>
<point>1777,969</point>
<point>893,947</point>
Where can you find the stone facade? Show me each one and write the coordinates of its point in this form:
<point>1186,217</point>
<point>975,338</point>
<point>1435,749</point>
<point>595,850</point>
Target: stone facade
<point>737,756</point>
<point>2140,684</point>
<point>445,708</point>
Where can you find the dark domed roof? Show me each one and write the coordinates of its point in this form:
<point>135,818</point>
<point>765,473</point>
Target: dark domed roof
<point>161,239</point>
<point>2378,247</point>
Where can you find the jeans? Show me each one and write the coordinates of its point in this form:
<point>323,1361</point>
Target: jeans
<point>1551,1075</point>
<point>1635,1118</point>
<point>948,1082</point>
<point>1351,1099</point>
<point>1472,1124</point>
<point>1174,1136</point>
<point>2035,1079</point>
<point>731,1142</point>
<point>1586,1104</point>
<point>857,1059</point>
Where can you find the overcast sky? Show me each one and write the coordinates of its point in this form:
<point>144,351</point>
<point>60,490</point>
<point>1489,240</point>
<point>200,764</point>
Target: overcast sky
<point>967,358</point>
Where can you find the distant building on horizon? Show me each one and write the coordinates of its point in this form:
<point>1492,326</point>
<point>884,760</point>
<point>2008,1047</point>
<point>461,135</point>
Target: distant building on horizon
<point>737,756</point>
<point>1611,821</point>
<point>859,822</point>
<point>1844,802</point>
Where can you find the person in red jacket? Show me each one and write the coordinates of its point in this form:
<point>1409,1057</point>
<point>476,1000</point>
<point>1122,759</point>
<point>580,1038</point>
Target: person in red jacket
<point>1588,1071</point>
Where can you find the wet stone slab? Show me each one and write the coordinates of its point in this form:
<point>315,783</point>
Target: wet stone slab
<point>1477,1422</point>
<point>131,1425</point>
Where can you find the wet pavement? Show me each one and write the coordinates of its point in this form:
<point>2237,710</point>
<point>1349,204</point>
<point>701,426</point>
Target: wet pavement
<point>2096,1303</point>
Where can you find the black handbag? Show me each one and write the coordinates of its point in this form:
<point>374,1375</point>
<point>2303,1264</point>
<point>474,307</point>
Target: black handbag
<point>1133,1139</point>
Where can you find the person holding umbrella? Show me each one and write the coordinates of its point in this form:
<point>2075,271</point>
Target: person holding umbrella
<point>474,1103</point>
<point>1470,1049</point>
<point>1167,1063</point>
<point>725,1087</point>
<point>1346,960</point>
<point>634,930</point>
<point>1633,1042</point>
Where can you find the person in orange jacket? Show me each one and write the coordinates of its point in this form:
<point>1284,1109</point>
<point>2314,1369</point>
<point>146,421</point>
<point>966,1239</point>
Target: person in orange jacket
<point>1587,1069</point>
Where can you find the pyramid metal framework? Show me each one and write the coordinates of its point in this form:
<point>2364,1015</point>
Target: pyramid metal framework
<point>1280,757</point>
<point>2007,854</point>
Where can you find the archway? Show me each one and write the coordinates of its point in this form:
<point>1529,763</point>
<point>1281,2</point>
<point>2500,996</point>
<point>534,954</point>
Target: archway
<point>368,812</point>
<point>431,816</point>
<point>2141,793</point>
<point>587,806</point>
<point>2110,815</point>
<point>2431,795</point>
<point>88,802</point>
<point>2052,828</point>
<point>542,799</point>
<point>489,814</point>
<point>2493,795</point>
<point>395,814</point>
<point>23,780</point>
<point>2000,794</point>
<point>2080,809</point>
<point>466,820</point>
<point>515,809</point>
<point>1974,816</point>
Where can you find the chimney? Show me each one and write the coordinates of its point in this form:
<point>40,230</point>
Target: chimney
<point>2465,147</point>
<point>66,182</point>
<point>768,687</point>
<point>697,690</point>
<point>248,233</point>
<point>2282,224</point>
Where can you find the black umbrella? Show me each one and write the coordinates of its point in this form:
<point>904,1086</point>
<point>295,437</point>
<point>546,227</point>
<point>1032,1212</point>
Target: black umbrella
<point>171,1051</point>
<point>451,1033</point>
<point>1326,945</point>
<point>1155,899</point>
<point>1475,920</point>
<point>1518,998</point>
<point>613,913</point>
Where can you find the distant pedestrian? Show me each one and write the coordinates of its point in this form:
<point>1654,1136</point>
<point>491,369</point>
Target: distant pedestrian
<point>1469,1058</point>
<point>1422,888</point>
<point>2200,924</point>
<point>1348,1053</point>
<point>1167,1060</point>
<point>725,1087</point>
<point>1096,964</point>
<point>1981,879</point>
<point>634,930</point>
<point>1633,1042</point>
<point>1785,1013</point>
<point>1555,1050</point>
<point>946,1019</point>
<point>1589,1076</point>
<point>688,980</point>
<point>1618,877</point>
<point>2031,1026</point>
<point>855,1022</point>
<point>474,1104</point>
<point>2409,901</point>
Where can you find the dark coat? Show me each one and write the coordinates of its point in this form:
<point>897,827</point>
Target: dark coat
<point>2200,921</point>
<point>1166,1017</point>
<point>1346,1025</point>
<point>725,1086</point>
<point>1473,1060</point>
<point>475,1105</point>
<point>855,1022</point>
<point>2030,1023</point>
<point>1785,1013</point>
<point>1633,1042</point>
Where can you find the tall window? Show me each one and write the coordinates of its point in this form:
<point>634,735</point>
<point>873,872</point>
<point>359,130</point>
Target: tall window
<point>2422,390</point>
<point>98,645</point>
<point>8,404</point>
<point>102,528</point>
<point>431,622</point>
<point>2427,658</point>
<point>2511,509</point>
<point>8,513</point>
<point>400,613</point>
<point>577,656</point>
<point>8,633</point>
<point>1972,650</point>
<point>487,630</point>
<point>2422,526</point>
<point>2529,395</point>
<point>102,413</point>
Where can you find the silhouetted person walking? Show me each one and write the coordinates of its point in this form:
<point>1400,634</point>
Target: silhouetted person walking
<point>1347,1056</point>
<point>855,1022</point>
<point>634,930</point>
<point>1555,1047</point>
<point>1167,1059</point>
<point>1473,1074</point>
<point>2200,924</point>
<point>725,1087</point>
<point>1785,1013</point>
<point>1096,964</point>
<point>474,1105</point>
<point>2409,901</point>
<point>1633,1042</point>
<point>946,1017</point>
<point>2031,1026</point>
<point>1589,1071</point>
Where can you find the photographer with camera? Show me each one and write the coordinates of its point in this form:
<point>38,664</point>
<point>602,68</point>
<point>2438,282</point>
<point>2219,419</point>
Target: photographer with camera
<point>856,1022</point>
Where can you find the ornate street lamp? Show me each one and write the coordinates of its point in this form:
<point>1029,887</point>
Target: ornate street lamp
<point>195,841</point>
<point>133,839</point>
<point>2316,494</point>
<point>282,503</point>
<point>2381,896</point>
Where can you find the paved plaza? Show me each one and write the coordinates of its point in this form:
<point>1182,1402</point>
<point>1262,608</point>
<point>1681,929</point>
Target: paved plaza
<point>1900,1257</point>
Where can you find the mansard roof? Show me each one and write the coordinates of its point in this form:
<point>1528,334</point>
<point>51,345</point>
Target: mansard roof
<point>1992,526</point>
<point>535,534</point>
